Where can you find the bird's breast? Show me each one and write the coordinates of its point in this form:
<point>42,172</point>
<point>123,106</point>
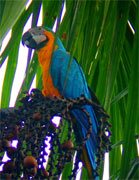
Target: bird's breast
<point>45,62</point>
<point>48,86</point>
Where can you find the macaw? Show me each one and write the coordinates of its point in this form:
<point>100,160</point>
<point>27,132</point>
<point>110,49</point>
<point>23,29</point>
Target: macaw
<point>55,62</point>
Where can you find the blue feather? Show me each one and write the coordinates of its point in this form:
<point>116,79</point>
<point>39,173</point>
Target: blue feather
<point>76,86</point>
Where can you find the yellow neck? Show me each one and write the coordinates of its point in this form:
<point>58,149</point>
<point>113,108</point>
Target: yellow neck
<point>45,55</point>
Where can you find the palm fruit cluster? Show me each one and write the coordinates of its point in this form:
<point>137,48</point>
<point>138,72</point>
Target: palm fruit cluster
<point>31,124</point>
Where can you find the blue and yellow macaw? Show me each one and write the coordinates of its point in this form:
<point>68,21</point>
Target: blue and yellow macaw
<point>54,62</point>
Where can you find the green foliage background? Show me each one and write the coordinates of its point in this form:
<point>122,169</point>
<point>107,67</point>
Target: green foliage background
<point>98,35</point>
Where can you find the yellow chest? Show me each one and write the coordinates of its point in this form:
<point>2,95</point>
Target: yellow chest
<point>45,60</point>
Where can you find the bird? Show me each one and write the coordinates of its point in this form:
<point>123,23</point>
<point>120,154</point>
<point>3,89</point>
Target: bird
<point>62,80</point>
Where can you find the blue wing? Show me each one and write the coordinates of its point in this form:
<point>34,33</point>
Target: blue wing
<point>76,86</point>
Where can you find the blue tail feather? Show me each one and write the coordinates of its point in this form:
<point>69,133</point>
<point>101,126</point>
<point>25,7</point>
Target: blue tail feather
<point>91,143</point>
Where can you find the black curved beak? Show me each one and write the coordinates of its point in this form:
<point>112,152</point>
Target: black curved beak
<point>28,40</point>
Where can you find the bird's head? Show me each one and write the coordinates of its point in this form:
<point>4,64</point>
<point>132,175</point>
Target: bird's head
<point>36,38</point>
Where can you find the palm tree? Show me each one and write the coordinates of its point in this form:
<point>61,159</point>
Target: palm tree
<point>103,36</point>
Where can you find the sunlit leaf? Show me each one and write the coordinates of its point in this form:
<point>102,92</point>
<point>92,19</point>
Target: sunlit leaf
<point>11,11</point>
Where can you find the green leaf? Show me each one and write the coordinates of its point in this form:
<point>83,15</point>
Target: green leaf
<point>84,174</point>
<point>10,13</point>
<point>118,40</point>
<point>10,69</point>
<point>134,171</point>
<point>50,12</point>
<point>19,25</point>
<point>116,137</point>
<point>120,95</point>
<point>31,70</point>
<point>132,116</point>
<point>67,170</point>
